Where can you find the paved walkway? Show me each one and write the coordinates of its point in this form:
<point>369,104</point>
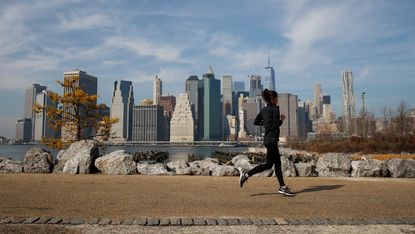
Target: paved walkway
<point>98,201</point>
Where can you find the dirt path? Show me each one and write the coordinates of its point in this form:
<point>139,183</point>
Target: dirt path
<point>186,196</point>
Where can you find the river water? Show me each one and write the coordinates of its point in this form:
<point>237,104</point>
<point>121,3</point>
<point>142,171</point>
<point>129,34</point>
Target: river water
<point>17,152</point>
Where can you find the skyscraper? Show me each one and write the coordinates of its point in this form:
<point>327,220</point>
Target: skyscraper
<point>348,99</point>
<point>268,81</point>
<point>192,91</point>
<point>288,107</point>
<point>255,86</point>
<point>88,84</point>
<point>30,100</point>
<point>326,108</point>
<point>227,94</point>
<point>157,89</point>
<point>43,128</point>
<point>24,130</point>
<point>212,108</point>
<point>182,123</point>
<point>148,123</point>
<point>318,106</point>
<point>238,86</point>
<point>252,107</point>
<point>122,108</point>
<point>167,103</point>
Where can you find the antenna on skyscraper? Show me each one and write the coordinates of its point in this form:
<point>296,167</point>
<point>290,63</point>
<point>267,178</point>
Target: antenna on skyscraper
<point>268,60</point>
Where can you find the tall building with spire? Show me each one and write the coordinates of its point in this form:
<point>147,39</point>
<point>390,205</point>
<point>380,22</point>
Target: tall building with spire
<point>212,108</point>
<point>157,89</point>
<point>122,108</point>
<point>348,100</point>
<point>268,77</point>
<point>182,123</point>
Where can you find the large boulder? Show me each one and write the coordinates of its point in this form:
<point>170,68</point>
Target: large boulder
<point>369,168</point>
<point>37,160</point>
<point>399,167</point>
<point>208,162</point>
<point>306,169</point>
<point>152,169</point>
<point>242,162</point>
<point>223,170</point>
<point>176,165</point>
<point>334,165</point>
<point>287,167</point>
<point>184,171</point>
<point>7,165</point>
<point>79,158</point>
<point>118,162</point>
<point>196,170</point>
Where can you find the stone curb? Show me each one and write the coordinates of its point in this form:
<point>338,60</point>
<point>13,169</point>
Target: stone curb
<point>205,221</point>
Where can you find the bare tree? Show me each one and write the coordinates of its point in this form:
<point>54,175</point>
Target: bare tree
<point>403,124</point>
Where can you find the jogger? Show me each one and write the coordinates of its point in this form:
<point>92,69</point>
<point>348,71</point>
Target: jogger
<point>270,118</point>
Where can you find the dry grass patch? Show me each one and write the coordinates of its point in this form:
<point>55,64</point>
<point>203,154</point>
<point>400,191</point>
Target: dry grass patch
<point>384,157</point>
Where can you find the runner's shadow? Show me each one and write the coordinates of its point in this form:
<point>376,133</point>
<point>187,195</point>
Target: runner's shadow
<point>307,190</point>
<point>319,188</point>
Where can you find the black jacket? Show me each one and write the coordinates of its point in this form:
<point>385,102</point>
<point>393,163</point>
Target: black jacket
<point>269,117</point>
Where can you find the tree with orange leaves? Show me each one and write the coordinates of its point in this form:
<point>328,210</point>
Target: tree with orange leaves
<point>76,112</point>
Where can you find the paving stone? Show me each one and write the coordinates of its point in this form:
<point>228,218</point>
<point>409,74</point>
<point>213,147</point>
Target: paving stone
<point>77,221</point>
<point>30,220</point>
<point>316,221</point>
<point>292,221</point>
<point>17,220</point>
<point>140,221</point>
<point>410,221</point>
<point>43,220</point>
<point>175,222</point>
<point>104,221</point>
<point>117,221</point>
<point>187,222</point>
<point>153,222</point>
<point>164,222</point>
<point>338,221</point>
<point>256,221</point>
<point>395,221</point>
<point>268,222</point>
<point>128,221</point>
<point>382,221</point>
<point>245,222</point>
<point>66,220</point>
<point>222,222</point>
<point>232,222</point>
<point>327,221</point>
<point>280,221</point>
<point>55,220</point>
<point>199,222</point>
<point>211,222</point>
<point>368,221</point>
<point>7,220</point>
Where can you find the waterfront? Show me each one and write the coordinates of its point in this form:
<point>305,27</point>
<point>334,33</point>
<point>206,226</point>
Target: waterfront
<point>17,152</point>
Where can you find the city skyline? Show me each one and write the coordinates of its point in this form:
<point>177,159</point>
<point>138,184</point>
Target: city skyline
<point>310,42</point>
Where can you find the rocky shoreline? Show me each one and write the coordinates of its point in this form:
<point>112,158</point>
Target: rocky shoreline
<point>83,158</point>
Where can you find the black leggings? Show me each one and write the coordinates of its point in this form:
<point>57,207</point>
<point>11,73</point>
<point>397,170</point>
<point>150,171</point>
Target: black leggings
<point>273,158</point>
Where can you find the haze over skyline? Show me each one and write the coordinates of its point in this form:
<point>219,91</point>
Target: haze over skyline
<point>309,42</point>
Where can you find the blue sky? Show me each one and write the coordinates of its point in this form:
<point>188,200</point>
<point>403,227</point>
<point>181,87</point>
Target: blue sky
<point>309,42</point>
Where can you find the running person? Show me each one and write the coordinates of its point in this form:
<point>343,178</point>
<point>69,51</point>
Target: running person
<point>270,118</point>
